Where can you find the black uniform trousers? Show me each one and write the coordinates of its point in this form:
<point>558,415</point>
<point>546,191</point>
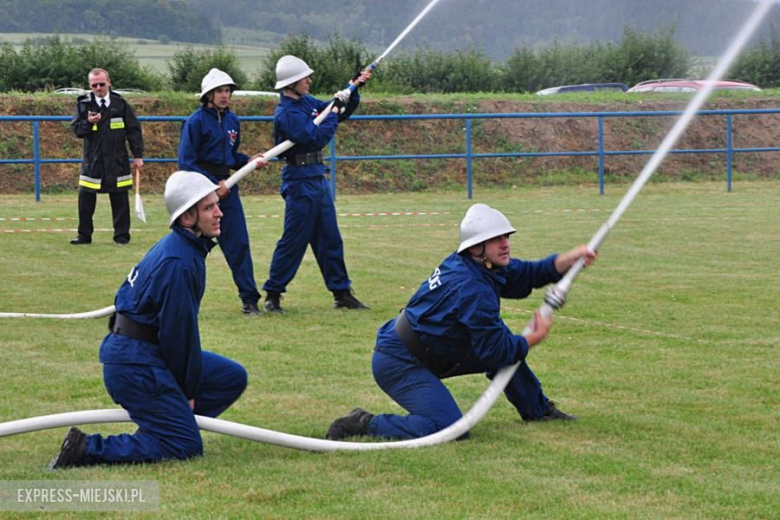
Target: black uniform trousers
<point>120,210</point>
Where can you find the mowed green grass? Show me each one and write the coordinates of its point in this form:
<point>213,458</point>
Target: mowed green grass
<point>667,351</point>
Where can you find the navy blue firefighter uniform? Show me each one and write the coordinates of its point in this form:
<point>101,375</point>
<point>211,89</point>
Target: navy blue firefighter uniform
<point>155,378</point>
<point>310,213</point>
<point>456,314</point>
<point>209,145</point>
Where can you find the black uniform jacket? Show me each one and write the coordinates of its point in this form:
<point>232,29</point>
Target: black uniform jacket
<point>106,164</point>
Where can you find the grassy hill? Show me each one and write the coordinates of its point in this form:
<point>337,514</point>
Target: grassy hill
<point>421,137</point>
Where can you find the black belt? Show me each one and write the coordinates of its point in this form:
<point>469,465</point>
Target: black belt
<point>121,324</point>
<point>220,171</point>
<point>424,354</point>
<point>302,159</point>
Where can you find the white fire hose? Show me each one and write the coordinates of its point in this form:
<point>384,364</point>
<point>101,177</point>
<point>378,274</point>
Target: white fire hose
<point>99,313</point>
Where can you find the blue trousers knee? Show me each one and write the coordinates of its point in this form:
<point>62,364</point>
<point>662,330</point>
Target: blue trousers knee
<point>166,425</point>
<point>430,404</point>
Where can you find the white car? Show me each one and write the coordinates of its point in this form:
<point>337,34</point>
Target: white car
<point>675,86</point>
<point>243,93</point>
<point>70,91</point>
<point>254,93</point>
<point>585,87</point>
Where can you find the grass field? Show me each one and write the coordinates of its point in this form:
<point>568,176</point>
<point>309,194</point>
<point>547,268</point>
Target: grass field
<point>667,351</point>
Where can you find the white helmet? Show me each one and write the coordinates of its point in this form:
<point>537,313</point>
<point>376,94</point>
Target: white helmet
<point>482,223</point>
<point>183,190</point>
<point>214,79</point>
<point>290,69</point>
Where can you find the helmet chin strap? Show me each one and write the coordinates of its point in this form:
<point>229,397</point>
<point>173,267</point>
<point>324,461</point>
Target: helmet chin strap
<point>194,226</point>
<point>210,102</point>
<point>487,263</point>
<point>291,88</point>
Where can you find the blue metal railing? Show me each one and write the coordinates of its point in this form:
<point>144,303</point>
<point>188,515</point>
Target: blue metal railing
<point>468,155</point>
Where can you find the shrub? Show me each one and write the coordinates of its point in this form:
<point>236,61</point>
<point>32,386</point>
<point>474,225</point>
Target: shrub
<point>642,56</point>
<point>189,66</point>
<point>760,64</point>
<point>435,71</point>
<point>639,56</point>
<point>52,63</point>
<point>334,63</point>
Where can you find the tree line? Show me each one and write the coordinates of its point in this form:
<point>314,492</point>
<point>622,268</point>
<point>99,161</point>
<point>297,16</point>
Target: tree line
<point>55,62</point>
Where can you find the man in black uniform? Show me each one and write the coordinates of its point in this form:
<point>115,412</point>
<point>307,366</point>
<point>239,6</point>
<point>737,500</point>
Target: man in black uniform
<point>105,121</point>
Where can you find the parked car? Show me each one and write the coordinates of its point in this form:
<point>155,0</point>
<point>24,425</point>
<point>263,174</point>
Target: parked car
<point>243,93</point>
<point>254,93</point>
<point>585,87</point>
<point>70,91</point>
<point>130,91</point>
<point>689,85</point>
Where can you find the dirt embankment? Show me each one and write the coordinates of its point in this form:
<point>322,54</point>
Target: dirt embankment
<point>418,137</point>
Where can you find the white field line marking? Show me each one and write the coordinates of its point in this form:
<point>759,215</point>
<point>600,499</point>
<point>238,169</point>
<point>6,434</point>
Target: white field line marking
<point>378,214</point>
<point>609,325</point>
<point>32,219</point>
<point>368,214</point>
<point>52,230</point>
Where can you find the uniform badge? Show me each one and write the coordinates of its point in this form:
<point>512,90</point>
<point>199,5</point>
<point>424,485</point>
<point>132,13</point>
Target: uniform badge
<point>232,134</point>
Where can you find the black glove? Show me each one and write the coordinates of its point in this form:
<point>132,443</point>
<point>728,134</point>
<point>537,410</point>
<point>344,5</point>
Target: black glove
<point>355,81</point>
<point>339,105</point>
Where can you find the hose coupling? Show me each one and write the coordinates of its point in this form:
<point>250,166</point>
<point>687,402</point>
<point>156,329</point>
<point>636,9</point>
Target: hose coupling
<point>555,297</point>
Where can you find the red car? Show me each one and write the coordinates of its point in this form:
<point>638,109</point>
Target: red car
<point>689,85</point>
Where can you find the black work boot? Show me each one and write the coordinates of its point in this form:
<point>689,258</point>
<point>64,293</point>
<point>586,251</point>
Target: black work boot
<point>352,424</point>
<point>272,304</point>
<point>72,450</point>
<point>250,308</point>
<point>79,241</point>
<point>553,414</point>
<point>346,300</point>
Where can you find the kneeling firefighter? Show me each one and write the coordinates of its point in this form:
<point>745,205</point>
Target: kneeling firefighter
<point>153,365</point>
<point>452,326</point>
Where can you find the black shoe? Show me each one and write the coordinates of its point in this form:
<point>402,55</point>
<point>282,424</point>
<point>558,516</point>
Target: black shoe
<point>346,300</point>
<point>272,303</point>
<point>80,241</point>
<point>72,450</point>
<point>122,241</point>
<point>250,308</point>
<point>354,423</point>
<point>553,414</point>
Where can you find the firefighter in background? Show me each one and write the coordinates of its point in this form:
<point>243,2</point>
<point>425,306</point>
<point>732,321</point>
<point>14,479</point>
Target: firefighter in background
<point>105,121</point>
<point>153,365</point>
<point>209,144</point>
<point>309,214</point>
<point>452,326</point>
